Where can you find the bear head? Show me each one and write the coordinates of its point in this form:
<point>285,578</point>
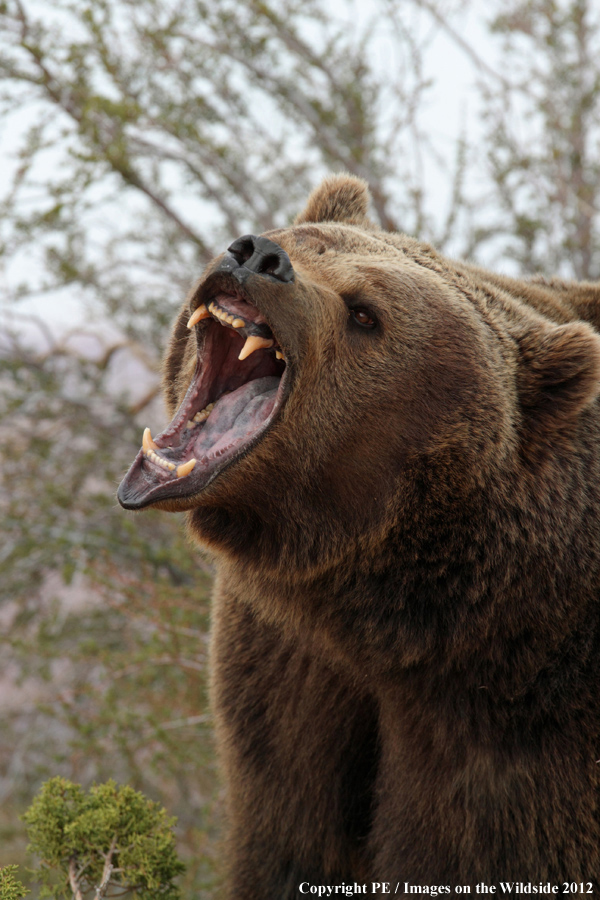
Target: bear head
<point>330,383</point>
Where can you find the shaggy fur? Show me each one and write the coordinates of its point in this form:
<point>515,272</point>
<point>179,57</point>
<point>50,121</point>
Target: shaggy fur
<point>405,652</point>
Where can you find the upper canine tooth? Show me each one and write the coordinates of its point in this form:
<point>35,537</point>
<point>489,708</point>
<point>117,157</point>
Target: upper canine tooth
<point>253,342</point>
<point>185,468</point>
<point>199,313</point>
<point>147,442</point>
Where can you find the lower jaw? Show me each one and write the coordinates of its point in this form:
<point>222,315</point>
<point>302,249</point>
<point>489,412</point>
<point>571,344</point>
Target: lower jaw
<point>172,477</point>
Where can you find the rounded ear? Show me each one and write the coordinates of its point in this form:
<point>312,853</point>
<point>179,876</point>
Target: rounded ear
<point>559,375</point>
<point>339,198</point>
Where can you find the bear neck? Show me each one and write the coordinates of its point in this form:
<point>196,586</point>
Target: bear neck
<point>456,587</point>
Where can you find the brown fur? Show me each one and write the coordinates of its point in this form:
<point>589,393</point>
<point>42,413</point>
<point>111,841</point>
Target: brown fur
<point>405,656</point>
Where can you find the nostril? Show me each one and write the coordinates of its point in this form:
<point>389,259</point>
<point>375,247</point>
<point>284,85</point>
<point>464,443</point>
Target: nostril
<point>269,265</point>
<point>242,249</point>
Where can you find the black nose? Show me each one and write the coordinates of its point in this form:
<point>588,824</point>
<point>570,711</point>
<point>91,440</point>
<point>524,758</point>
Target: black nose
<point>251,255</point>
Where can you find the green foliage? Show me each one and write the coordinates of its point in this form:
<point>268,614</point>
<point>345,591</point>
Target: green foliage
<point>10,888</point>
<point>112,837</point>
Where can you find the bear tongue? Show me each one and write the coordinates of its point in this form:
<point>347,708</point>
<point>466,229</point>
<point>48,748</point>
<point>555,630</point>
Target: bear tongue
<point>235,418</point>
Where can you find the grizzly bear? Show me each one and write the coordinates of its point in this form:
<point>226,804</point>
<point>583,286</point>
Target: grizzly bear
<point>394,459</point>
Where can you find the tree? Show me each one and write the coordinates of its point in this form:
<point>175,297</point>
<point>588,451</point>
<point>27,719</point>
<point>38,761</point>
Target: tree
<point>10,888</point>
<point>540,107</point>
<point>548,174</point>
<point>111,841</point>
<point>207,120</point>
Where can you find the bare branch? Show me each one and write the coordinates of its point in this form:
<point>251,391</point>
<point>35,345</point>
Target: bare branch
<point>106,872</point>
<point>74,879</point>
<point>467,48</point>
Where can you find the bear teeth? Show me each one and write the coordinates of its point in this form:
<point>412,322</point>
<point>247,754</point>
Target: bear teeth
<point>223,316</point>
<point>201,416</point>
<point>200,313</point>
<point>253,341</point>
<point>149,452</point>
<point>147,442</point>
<point>185,468</point>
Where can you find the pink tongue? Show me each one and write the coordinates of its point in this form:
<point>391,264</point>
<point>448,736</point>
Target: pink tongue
<point>236,417</point>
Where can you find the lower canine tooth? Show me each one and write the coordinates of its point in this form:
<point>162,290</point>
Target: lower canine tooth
<point>147,442</point>
<point>185,468</point>
<point>253,342</point>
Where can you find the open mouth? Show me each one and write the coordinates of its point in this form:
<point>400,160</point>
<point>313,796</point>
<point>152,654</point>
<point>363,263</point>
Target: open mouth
<point>235,393</point>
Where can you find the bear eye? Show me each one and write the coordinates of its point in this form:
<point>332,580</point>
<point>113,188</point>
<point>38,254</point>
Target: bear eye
<point>363,317</point>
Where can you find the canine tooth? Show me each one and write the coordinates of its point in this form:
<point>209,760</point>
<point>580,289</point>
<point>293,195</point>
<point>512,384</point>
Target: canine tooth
<point>279,355</point>
<point>147,442</point>
<point>185,468</point>
<point>199,313</point>
<point>253,342</point>
<point>238,323</point>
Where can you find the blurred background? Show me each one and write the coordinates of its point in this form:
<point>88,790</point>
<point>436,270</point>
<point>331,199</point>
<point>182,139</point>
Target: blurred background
<point>137,139</point>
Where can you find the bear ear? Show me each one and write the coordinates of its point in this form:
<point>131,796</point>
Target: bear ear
<point>559,375</point>
<point>339,198</point>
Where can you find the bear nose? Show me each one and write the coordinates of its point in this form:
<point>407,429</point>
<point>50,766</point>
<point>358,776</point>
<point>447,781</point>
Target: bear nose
<point>252,255</point>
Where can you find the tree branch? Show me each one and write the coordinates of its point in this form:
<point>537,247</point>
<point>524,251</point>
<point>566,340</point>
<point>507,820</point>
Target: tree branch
<point>52,86</point>
<point>74,880</point>
<point>106,872</point>
<point>464,45</point>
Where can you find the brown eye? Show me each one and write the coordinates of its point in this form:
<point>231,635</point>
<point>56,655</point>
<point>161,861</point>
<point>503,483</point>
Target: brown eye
<point>363,318</point>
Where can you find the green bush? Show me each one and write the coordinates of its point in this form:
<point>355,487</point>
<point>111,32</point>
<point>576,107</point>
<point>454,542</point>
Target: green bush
<point>111,837</point>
